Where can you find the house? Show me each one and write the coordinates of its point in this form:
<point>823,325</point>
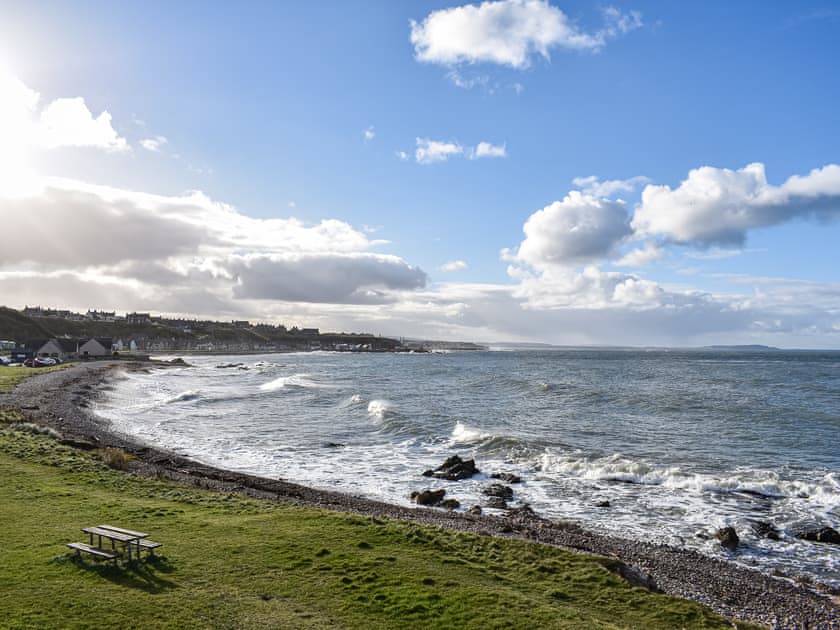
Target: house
<point>54,348</point>
<point>7,345</point>
<point>101,316</point>
<point>95,347</point>
<point>138,318</point>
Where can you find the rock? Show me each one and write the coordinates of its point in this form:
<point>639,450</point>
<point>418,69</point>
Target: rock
<point>524,512</point>
<point>763,529</point>
<point>507,477</point>
<point>634,576</point>
<point>333,445</point>
<point>454,469</point>
<point>603,504</point>
<point>824,535</point>
<point>428,497</point>
<point>83,445</point>
<point>728,538</point>
<point>497,503</point>
<point>450,504</point>
<point>475,510</point>
<point>498,490</point>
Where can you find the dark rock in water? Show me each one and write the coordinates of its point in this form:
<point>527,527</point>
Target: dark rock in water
<point>450,504</point>
<point>178,361</point>
<point>824,535</point>
<point>454,469</point>
<point>333,445</point>
<point>475,510</point>
<point>603,504</point>
<point>763,529</point>
<point>728,538</point>
<point>507,477</point>
<point>222,366</point>
<point>499,491</point>
<point>496,502</point>
<point>428,497</point>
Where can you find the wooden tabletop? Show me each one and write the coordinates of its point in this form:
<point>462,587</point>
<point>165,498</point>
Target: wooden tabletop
<point>110,534</point>
<point>123,531</point>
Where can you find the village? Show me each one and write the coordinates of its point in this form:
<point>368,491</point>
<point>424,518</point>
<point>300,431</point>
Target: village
<point>35,336</point>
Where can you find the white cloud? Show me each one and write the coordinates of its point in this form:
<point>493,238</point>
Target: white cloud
<point>402,155</point>
<point>486,149</point>
<point>369,134</point>
<point>508,33</point>
<point>154,144</point>
<point>454,265</point>
<point>641,257</point>
<point>580,228</point>
<point>716,206</point>
<point>430,151</point>
<point>170,245</point>
<point>591,185</point>
<point>336,278</point>
<point>67,122</point>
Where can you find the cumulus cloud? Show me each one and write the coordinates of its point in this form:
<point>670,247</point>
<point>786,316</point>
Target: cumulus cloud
<point>154,144</point>
<point>369,134</point>
<point>591,185</point>
<point>486,149</point>
<point>641,257</point>
<point>580,228</point>
<point>169,244</point>
<point>64,122</point>
<point>508,33</point>
<point>67,122</point>
<point>431,151</point>
<point>718,206</point>
<point>454,265</point>
<point>358,278</point>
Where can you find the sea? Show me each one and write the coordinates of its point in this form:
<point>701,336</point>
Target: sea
<point>679,443</point>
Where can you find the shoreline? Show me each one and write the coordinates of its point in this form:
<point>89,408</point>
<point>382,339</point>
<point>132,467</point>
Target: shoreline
<point>60,400</point>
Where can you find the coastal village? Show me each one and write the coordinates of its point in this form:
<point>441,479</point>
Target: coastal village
<point>38,336</point>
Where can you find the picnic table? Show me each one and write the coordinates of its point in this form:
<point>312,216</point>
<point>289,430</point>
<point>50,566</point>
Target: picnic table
<point>128,540</point>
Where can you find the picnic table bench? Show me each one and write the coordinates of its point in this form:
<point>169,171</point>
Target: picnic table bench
<point>127,538</point>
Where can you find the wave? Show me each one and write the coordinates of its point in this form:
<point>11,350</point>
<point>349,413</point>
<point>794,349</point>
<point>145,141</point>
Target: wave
<point>188,395</point>
<point>380,409</point>
<point>295,380</point>
<point>463,435</point>
<point>824,491</point>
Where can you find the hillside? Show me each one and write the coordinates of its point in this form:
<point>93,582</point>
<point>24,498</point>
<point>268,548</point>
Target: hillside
<point>172,335</point>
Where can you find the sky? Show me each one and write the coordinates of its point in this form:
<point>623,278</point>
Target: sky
<point>627,173</point>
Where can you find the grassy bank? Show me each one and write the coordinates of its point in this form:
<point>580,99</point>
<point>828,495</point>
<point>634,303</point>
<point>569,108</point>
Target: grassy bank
<point>230,562</point>
<point>11,376</point>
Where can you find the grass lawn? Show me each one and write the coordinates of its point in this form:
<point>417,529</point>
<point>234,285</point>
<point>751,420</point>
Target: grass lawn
<point>230,562</point>
<point>11,376</point>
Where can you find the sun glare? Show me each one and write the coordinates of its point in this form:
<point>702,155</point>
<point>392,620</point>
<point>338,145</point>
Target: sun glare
<point>18,130</point>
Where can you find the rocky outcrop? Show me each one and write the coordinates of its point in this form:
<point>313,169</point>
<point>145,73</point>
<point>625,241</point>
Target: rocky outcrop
<point>728,538</point>
<point>507,477</point>
<point>498,490</point>
<point>824,535</point>
<point>428,497</point>
<point>763,529</point>
<point>454,469</point>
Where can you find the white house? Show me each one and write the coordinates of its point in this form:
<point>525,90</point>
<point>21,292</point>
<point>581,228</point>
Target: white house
<point>95,348</point>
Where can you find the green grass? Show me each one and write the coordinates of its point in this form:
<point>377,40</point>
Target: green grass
<point>231,562</point>
<point>11,376</point>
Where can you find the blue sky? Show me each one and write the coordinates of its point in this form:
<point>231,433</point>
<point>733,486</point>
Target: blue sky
<point>526,170</point>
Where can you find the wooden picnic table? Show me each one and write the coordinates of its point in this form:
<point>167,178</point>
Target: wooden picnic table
<point>126,537</point>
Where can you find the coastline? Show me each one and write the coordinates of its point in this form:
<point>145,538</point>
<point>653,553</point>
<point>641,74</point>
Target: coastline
<point>60,400</point>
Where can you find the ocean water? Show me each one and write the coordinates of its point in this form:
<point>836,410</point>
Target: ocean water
<point>679,442</point>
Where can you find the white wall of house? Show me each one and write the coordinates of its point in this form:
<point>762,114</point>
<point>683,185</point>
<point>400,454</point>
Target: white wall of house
<point>92,348</point>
